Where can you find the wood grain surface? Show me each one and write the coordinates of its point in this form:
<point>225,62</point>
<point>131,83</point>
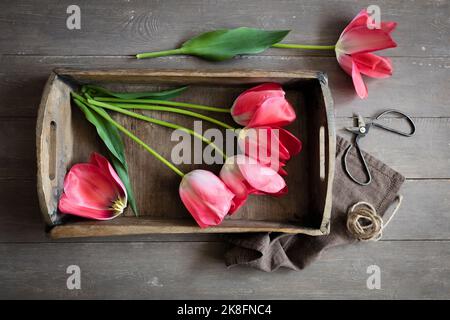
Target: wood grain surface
<point>414,254</point>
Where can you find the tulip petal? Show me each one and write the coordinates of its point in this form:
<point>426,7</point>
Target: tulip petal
<point>372,65</point>
<point>93,190</point>
<point>388,26</point>
<point>269,146</point>
<point>232,177</point>
<point>358,21</point>
<point>274,111</point>
<point>203,213</point>
<point>206,197</point>
<point>105,166</point>
<point>88,186</point>
<point>244,176</point>
<point>237,203</point>
<point>261,178</point>
<point>362,39</point>
<point>234,180</point>
<point>361,21</point>
<point>290,142</point>
<point>262,144</point>
<point>68,205</point>
<point>250,100</point>
<point>345,61</point>
<point>281,171</point>
<point>350,67</point>
<point>358,82</point>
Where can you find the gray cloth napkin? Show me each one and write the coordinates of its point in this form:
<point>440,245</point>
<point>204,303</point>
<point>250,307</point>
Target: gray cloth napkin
<point>269,251</point>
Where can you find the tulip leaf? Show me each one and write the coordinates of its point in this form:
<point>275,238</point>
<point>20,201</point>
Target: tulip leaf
<point>122,172</point>
<point>224,44</point>
<point>161,95</point>
<point>110,136</point>
<point>107,132</point>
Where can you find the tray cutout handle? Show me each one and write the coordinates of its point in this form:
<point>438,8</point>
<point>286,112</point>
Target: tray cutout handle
<point>322,153</point>
<point>52,151</point>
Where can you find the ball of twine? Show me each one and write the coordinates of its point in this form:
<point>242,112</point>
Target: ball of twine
<point>364,223</point>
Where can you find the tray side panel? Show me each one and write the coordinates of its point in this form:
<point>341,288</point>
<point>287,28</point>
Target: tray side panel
<point>54,141</point>
<point>330,151</point>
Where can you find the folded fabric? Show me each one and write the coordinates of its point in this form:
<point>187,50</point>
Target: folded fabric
<point>269,251</point>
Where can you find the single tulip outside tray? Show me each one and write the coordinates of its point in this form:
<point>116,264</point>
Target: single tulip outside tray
<point>65,138</point>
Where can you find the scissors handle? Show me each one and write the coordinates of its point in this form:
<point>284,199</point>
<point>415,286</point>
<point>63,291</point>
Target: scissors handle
<point>363,160</point>
<point>402,133</point>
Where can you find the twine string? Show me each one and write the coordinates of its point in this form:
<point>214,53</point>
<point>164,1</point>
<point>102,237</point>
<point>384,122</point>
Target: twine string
<point>365,224</point>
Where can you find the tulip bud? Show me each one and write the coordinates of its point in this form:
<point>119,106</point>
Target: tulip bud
<point>263,105</point>
<point>244,176</point>
<point>206,197</point>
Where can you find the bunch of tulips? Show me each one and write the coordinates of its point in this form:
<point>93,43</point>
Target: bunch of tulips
<point>99,190</point>
<point>94,190</point>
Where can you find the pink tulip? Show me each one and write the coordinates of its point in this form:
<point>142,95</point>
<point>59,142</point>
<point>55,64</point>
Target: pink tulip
<point>272,147</point>
<point>263,105</point>
<point>244,176</point>
<point>206,197</point>
<point>93,190</point>
<point>354,47</point>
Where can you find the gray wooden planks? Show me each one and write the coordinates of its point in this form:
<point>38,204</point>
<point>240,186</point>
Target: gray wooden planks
<point>131,27</point>
<point>420,86</point>
<point>17,148</point>
<point>190,270</point>
<point>422,216</point>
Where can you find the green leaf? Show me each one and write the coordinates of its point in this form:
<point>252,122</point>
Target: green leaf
<point>110,136</point>
<point>161,95</point>
<point>107,132</point>
<point>122,172</point>
<point>224,44</point>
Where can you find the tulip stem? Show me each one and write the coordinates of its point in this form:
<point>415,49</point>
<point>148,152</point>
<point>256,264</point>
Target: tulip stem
<point>174,110</point>
<point>302,46</point>
<point>158,122</point>
<point>164,103</point>
<point>130,135</point>
<point>156,54</point>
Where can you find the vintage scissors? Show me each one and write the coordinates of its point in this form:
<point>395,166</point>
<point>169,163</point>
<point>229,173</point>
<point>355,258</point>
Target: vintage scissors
<point>363,129</point>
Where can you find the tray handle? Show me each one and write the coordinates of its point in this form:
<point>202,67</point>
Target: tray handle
<point>327,151</point>
<point>52,128</point>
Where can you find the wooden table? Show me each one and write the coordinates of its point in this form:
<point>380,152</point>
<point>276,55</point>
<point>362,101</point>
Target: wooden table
<point>414,254</point>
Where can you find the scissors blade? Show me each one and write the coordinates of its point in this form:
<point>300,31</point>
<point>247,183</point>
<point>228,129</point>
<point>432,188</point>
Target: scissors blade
<point>361,122</point>
<point>354,130</point>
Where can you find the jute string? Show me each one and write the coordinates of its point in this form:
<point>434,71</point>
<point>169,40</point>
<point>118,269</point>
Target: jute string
<point>365,224</point>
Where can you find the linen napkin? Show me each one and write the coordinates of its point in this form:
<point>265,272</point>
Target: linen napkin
<point>270,251</point>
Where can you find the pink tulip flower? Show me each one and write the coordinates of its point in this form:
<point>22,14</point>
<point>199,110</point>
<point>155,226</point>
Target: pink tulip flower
<point>244,176</point>
<point>263,105</point>
<point>206,197</point>
<point>93,190</point>
<point>354,51</point>
<point>272,147</point>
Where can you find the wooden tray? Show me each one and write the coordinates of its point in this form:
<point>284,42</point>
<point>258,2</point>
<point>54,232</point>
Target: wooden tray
<point>64,137</point>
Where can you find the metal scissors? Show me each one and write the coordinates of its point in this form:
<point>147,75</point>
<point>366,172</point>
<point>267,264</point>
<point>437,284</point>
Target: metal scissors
<point>363,129</point>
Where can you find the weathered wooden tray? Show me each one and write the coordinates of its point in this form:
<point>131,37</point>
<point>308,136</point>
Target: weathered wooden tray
<point>64,138</point>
